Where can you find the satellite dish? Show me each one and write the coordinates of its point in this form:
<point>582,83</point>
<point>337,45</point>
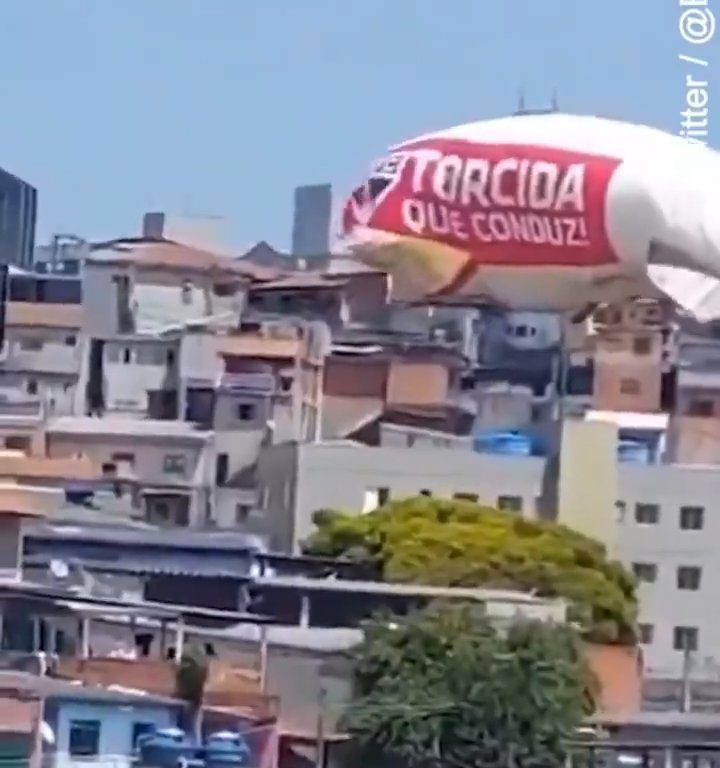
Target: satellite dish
<point>59,569</point>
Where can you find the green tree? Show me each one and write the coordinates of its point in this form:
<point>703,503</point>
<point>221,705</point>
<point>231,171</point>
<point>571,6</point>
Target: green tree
<point>459,543</point>
<point>444,687</point>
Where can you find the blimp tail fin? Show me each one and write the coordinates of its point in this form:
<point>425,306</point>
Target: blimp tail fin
<point>693,292</point>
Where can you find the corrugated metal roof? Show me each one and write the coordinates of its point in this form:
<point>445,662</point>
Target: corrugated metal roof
<point>170,255</point>
<point>409,590</point>
<point>212,541</point>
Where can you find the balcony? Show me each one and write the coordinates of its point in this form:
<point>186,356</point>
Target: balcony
<point>45,357</point>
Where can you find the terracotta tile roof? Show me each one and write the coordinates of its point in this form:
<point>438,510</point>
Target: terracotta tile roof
<point>300,281</point>
<point>252,345</point>
<point>37,314</point>
<point>167,254</point>
<point>619,672</point>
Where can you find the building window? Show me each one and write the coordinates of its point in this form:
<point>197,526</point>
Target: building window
<point>242,513</point>
<point>84,738</point>
<point>629,387</point>
<point>31,344</point>
<point>245,412</point>
<point>692,518</point>
<point>701,408</point>
<point>685,638</point>
<point>126,355</point>
<point>647,514</point>
<point>138,730</point>
<point>510,503</point>
<point>174,464</point>
<point>70,341</point>
<point>642,345</point>
<point>688,577</point>
<point>187,292</point>
<point>621,508</point>
<point>646,633</point>
<point>123,458</point>
<point>646,572</point>
<point>221,469</point>
<point>466,497</point>
<point>32,387</point>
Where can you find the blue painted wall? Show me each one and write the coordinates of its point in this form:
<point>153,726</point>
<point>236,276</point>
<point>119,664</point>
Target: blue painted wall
<point>116,728</point>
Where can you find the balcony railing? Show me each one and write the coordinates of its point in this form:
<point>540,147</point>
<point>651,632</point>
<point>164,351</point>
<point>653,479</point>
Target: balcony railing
<point>255,383</point>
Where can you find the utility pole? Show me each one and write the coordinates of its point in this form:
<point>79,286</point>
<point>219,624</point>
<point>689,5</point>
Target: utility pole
<point>686,689</point>
<point>320,734</point>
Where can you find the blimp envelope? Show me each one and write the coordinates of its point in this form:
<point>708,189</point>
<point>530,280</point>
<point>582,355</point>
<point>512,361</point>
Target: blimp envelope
<point>550,212</point>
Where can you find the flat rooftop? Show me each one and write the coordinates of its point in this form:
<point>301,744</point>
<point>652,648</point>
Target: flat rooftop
<point>137,428</point>
<point>303,583</point>
<point>51,687</point>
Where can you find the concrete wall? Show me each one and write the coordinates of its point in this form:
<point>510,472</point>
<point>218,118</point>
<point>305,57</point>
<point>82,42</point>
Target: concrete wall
<point>55,394</point>
<point>190,469</point>
<point>350,477</point>
<point>116,727</point>
<point>587,489</point>
<point>132,367</point>
<point>50,350</point>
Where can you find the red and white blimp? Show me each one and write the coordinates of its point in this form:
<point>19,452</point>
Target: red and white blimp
<point>546,212</point>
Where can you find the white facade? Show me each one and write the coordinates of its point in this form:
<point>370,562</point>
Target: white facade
<point>669,533</point>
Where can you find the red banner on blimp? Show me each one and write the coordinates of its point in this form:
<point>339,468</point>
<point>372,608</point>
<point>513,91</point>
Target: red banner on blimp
<point>504,204</point>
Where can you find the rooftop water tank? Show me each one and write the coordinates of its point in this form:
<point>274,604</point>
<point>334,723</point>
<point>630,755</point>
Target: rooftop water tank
<point>224,749</point>
<point>503,443</point>
<point>166,748</point>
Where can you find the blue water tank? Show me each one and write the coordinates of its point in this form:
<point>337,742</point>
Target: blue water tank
<point>503,443</point>
<point>226,748</point>
<point>166,748</point>
<point>634,452</point>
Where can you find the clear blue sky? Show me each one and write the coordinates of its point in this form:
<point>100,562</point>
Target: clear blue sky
<point>115,107</point>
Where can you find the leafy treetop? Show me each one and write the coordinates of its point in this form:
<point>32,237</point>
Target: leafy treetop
<point>460,543</point>
<point>443,687</point>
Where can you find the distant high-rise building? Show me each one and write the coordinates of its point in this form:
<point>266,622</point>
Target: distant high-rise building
<point>18,214</point>
<point>311,223</point>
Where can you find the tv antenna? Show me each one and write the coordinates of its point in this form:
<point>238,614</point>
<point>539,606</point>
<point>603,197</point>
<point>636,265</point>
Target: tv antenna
<point>522,109</point>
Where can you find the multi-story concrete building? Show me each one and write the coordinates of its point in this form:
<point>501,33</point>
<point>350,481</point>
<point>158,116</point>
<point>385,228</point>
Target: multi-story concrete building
<point>173,461</point>
<point>42,354</point>
<point>657,518</point>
